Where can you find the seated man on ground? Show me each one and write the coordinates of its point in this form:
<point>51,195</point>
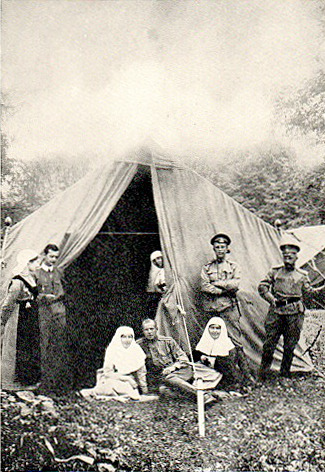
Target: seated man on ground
<point>124,371</point>
<point>167,364</point>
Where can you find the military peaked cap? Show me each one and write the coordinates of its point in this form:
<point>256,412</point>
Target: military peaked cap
<point>288,240</point>
<point>224,237</point>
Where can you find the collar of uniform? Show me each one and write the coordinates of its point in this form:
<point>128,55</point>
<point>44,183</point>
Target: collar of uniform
<point>225,261</point>
<point>47,268</point>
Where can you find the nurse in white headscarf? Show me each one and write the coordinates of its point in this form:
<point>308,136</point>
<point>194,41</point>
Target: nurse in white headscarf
<point>21,309</point>
<point>124,371</point>
<point>156,282</point>
<point>215,349</point>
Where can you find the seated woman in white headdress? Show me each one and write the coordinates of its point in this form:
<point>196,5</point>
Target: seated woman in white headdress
<point>216,350</point>
<point>124,371</point>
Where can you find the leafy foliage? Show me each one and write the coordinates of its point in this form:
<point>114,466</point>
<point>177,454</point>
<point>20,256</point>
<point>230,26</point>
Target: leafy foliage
<point>28,185</point>
<point>271,184</point>
<point>304,110</point>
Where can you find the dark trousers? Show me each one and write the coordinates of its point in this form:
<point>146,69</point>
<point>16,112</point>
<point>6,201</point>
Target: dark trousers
<point>55,359</point>
<point>178,379</point>
<point>290,327</point>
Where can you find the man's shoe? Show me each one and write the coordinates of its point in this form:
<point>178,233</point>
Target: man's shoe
<point>220,394</point>
<point>148,398</point>
<point>209,399</point>
<point>167,392</point>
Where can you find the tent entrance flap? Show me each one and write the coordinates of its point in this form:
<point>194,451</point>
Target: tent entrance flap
<point>106,284</point>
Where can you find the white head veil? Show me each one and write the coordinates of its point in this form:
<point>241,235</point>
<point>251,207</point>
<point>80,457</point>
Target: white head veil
<point>156,275</point>
<point>23,257</point>
<point>215,347</point>
<point>125,360</point>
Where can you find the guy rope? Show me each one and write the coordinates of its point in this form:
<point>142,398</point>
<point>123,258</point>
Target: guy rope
<point>199,382</point>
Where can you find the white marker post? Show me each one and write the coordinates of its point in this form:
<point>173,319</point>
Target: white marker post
<point>199,386</point>
<point>200,407</point>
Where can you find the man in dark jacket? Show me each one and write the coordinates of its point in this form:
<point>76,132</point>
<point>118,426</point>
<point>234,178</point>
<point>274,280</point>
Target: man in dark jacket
<point>166,362</point>
<point>283,288</point>
<point>56,373</point>
<point>220,280</point>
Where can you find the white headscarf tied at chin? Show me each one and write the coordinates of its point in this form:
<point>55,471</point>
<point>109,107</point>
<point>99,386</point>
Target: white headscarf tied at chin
<point>156,275</point>
<point>125,360</point>
<point>23,257</point>
<point>215,347</point>
<point>155,254</point>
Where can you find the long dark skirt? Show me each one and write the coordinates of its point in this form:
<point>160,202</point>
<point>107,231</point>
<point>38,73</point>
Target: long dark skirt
<point>227,366</point>
<point>28,353</point>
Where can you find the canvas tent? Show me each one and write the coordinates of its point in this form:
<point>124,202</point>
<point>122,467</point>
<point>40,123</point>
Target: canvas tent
<point>108,223</point>
<point>312,258</point>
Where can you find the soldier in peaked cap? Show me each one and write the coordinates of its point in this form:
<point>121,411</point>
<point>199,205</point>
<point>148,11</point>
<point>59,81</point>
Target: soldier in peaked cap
<point>220,280</point>
<point>283,288</point>
<point>221,238</point>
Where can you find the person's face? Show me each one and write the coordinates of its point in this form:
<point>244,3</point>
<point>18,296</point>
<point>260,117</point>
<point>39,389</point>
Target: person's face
<point>149,330</point>
<point>289,255</point>
<point>51,257</point>
<point>214,331</point>
<point>159,262</point>
<point>33,265</point>
<point>220,249</point>
<point>126,340</point>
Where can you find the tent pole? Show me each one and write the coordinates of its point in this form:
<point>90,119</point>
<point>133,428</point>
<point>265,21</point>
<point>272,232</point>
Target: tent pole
<point>199,385</point>
<point>180,307</point>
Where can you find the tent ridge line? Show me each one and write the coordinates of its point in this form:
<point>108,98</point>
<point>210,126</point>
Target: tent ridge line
<point>126,232</point>
<point>167,166</point>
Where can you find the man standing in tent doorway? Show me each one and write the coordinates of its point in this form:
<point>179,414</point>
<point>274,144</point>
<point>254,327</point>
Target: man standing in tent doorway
<point>220,280</point>
<point>55,369</point>
<point>283,288</point>
<point>156,283</point>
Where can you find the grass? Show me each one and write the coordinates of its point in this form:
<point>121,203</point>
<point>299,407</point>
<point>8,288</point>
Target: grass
<point>276,427</point>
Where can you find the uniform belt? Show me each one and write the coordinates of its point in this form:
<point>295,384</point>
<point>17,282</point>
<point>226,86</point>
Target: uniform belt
<point>287,301</point>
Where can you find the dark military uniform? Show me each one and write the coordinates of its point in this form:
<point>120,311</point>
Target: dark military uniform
<point>164,352</point>
<point>283,289</point>
<point>219,284</point>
